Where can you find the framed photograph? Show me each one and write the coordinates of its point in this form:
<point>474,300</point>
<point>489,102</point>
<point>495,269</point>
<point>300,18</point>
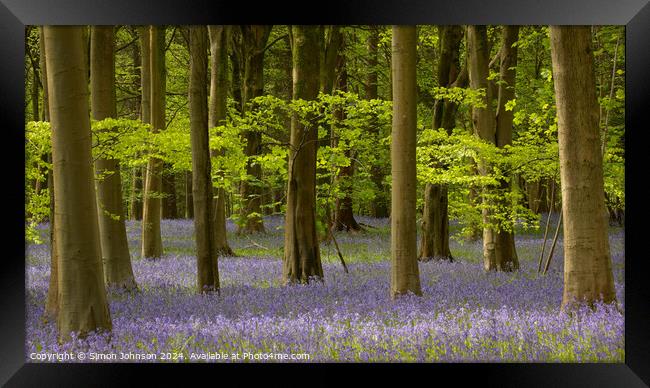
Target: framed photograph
<point>384,189</point>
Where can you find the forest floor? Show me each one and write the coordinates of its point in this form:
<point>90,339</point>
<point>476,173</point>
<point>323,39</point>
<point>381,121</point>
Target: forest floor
<point>464,315</point>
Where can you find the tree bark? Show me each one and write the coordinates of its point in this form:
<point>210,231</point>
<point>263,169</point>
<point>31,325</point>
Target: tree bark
<point>206,255</point>
<point>506,252</point>
<point>254,40</point>
<point>81,294</point>
<point>140,173</point>
<point>135,202</point>
<point>405,276</point>
<point>301,248</point>
<point>108,182</point>
<point>434,240</point>
<point>168,205</point>
<point>484,124</point>
<point>189,202</point>
<point>344,217</point>
<point>217,116</point>
<point>588,273</point>
<point>379,207</point>
<point>151,237</point>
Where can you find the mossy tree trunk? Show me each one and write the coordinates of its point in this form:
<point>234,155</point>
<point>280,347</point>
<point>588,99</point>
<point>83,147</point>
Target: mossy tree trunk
<point>301,248</point>
<point>81,294</point>
<point>405,275</point>
<point>588,273</point>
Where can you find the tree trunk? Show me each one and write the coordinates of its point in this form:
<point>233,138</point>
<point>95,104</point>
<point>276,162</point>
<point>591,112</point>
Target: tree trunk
<point>344,217</point>
<point>301,248</point>
<point>112,229</point>
<point>330,56</point>
<point>216,117</point>
<point>169,209</point>
<point>136,194</point>
<point>588,273</point>
<point>254,40</point>
<point>151,237</point>
<point>484,124</point>
<point>189,202</point>
<point>135,202</point>
<point>507,258</point>
<point>405,275</point>
<point>379,206</point>
<point>81,294</point>
<point>140,173</point>
<point>434,240</point>
<point>206,255</point>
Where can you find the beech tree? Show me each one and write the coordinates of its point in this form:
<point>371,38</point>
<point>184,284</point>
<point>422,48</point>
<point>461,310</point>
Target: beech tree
<point>405,275</point>
<point>206,254</point>
<point>380,204</point>
<point>505,239</point>
<point>151,238</point>
<point>301,248</point>
<point>588,273</point>
<point>216,117</point>
<point>112,229</point>
<point>485,128</point>
<point>253,40</point>
<point>434,240</point>
<point>82,305</point>
<point>344,217</point>
<point>141,64</point>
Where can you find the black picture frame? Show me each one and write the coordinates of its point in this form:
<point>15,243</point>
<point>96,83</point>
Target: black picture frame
<point>634,14</point>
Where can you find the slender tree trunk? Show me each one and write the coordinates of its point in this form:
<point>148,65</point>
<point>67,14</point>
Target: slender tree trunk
<point>344,217</point>
<point>301,248</point>
<point>136,194</point>
<point>405,275</point>
<point>112,229</point>
<point>330,56</point>
<point>206,255</point>
<point>169,209</point>
<point>216,117</point>
<point>484,123</point>
<point>81,294</point>
<point>254,40</point>
<point>588,273</point>
<point>151,237</point>
<point>507,258</point>
<point>434,240</point>
<point>379,206</point>
<point>140,173</point>
<point>135,203</point>
<point>189,202</point>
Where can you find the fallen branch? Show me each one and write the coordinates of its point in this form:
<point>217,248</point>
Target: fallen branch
<point>550,255</point>
<point>366,225</point>
<point>258,245</point>
<point>338,251</point>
